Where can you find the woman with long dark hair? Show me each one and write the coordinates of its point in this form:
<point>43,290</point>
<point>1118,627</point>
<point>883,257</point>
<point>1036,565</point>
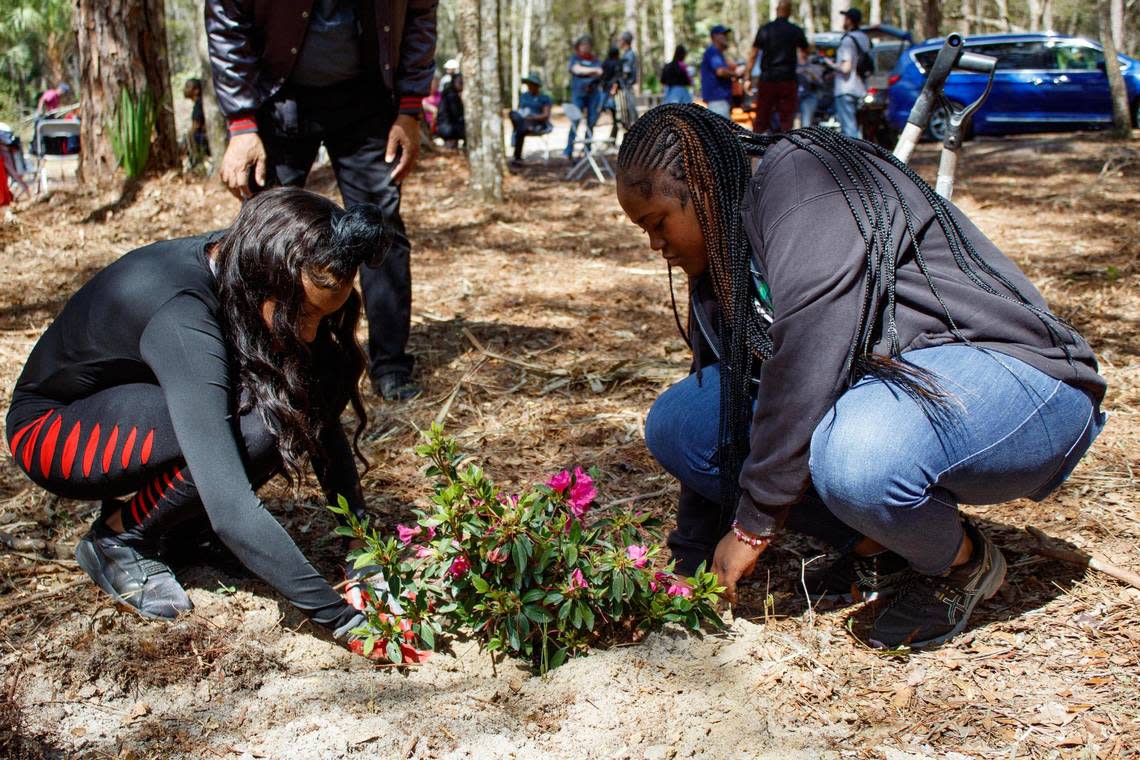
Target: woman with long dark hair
<point>865,359</point>
<point>183,376</point>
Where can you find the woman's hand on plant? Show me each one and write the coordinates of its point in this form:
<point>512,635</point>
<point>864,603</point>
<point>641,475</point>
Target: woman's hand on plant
<point>733,560</point>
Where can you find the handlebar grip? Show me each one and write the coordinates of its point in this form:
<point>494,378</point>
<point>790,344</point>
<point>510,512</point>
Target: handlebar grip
<point>935,80</point>
<point>976,62</point>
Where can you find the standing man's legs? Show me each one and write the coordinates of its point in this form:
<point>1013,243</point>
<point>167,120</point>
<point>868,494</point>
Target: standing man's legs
<point>845,106</point>
<point>721,108</point>
<point>787,101</point>
<point>357,153</point>
<point>765,94</point>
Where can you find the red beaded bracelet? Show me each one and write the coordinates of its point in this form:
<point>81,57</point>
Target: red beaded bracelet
<point>753,541</point>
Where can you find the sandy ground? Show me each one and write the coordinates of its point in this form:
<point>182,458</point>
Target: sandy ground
<point>557,279</point>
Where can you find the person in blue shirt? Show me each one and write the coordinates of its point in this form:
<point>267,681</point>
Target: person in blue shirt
<point>717,73</point>
<point>533,116</point>
<point>585,73</point>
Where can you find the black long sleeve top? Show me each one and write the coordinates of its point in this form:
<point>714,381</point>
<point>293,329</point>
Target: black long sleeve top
<point>154,316</point>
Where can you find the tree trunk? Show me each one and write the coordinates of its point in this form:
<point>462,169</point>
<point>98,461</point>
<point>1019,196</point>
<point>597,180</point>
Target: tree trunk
<point>964,22</point>
<point>1033,7</point>
<point>527,31</point>
<point>668,34</point>
<point>807,18</point>
<point>479,25</point>
<point>122,44</point>
<point>1121,118</point>
<point>1047,15</point>
<point>1116,14</point>
<point>1003,14</point>
<point>753,15</point>
<point>904,17</point>
<point>836,18</point>
<point>215,120</point>
<point>931,18</point>
<point>876,12</point>
<point>513,23</point>
<point>642,44</point>
<point>629,22</point>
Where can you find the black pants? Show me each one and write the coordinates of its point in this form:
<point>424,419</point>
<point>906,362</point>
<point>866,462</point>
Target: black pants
<point>352,120</point>
<point>120,442</point>
<point>524,128</point>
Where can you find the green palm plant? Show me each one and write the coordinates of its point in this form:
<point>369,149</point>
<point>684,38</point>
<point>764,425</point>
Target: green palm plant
<point>132,131</point>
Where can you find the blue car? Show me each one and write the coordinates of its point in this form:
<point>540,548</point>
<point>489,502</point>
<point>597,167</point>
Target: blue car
<point>1044,82</point>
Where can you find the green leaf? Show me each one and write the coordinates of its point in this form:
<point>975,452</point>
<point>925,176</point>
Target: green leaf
<point>533,595</point>
<point>427,635</point>
<point>571,554</point>
<point>480,584</point>
<point>558,659</point>
<point>588,617</point>
<point>393,652</point>
<point>576,618</point>
<point>519,555</point>
<point>538,614</point>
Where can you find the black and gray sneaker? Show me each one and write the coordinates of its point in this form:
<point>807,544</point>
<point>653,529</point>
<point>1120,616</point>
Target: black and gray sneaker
<point>930,609</point>
<point>129,577</point>
<point>396,386</point>
<point>852,578</point>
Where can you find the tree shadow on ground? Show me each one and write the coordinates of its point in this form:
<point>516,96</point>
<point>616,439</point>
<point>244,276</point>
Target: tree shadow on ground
<point>128,194</point>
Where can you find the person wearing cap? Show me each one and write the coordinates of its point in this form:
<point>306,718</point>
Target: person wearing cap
<point>630,67</point>
<point>780,45</point>
<point>533,114</point>
<point>717,73</point>
<point>585,74</point>
<point>849,85</point>
<point>293,74</point>
<point>450,69</point>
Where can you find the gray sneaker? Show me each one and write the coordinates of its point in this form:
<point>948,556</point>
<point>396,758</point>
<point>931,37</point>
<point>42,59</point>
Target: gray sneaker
<point>129,577</point>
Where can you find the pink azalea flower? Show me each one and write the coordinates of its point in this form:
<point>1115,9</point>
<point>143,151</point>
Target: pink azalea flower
<point>498,555</point>
<point>406,534</point>
<point>459,567</point>
<point>577,580</point>
<point>679,589</point>
<point>638,554</point>
<point>430,533</point>
<point>582,493</point>
<point>559,482</point>
<point>423,551</point>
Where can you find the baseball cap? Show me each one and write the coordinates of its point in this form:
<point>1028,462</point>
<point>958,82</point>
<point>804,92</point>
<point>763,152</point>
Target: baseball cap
<point>854,14</point>
<point>720,29</point>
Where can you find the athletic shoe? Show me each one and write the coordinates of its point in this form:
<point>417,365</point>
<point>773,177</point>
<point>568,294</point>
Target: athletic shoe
<point>130,577</point>
<point>396,386</point>
<point>930,609</point>
<point>852,578</point>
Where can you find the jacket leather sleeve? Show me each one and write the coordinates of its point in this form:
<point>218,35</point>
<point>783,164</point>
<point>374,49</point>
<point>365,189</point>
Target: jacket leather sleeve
<point>233,60</point>
<point>417,56</point>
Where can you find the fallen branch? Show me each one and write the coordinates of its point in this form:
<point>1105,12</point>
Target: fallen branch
<point>22,600</point>
<point>1095,561</point>
<point>508,359</point>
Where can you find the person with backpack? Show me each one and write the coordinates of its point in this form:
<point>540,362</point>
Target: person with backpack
<point>781,46</point>
<point>852,65</point>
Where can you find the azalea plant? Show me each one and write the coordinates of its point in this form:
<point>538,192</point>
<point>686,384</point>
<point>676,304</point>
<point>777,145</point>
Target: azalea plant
<point>532,574</point>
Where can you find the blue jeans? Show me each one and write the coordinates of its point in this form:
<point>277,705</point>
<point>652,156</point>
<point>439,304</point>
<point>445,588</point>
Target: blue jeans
<point>677,93</point>
<point>890,472</point>
<point>845,108</point>
<point>809,101</point>
<point>720,108</point>
<point>590,103</point>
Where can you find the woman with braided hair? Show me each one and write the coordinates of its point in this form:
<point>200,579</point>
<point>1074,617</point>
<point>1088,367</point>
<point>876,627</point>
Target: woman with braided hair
<point>865,359</point>
<point>185,375</point>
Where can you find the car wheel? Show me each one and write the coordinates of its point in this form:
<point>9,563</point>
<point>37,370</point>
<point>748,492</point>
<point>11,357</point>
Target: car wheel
<point>940,118</point>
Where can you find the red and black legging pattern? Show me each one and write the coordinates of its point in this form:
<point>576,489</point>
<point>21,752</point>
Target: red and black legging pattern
<point>120,442</point>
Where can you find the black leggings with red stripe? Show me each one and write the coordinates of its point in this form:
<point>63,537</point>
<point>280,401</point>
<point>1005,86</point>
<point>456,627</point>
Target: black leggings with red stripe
<point>120,442</point>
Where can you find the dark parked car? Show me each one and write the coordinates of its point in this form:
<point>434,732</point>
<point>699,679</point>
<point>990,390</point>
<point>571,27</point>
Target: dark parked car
<point>1044,82</point>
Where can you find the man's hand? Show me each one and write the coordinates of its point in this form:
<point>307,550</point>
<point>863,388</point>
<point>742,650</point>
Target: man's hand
<point>403,138</point>
<point>243,152</point>
<point>733,560</point>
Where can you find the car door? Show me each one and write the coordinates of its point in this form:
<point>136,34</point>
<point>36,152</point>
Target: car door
<point>1077,84</point>
<point>1018,99</point>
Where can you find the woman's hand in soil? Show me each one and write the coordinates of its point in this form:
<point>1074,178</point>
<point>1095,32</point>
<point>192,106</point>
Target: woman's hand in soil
<point>733,560</point>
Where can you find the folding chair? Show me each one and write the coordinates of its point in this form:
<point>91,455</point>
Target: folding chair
<point>52,128</point>
<point>591,159</point>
